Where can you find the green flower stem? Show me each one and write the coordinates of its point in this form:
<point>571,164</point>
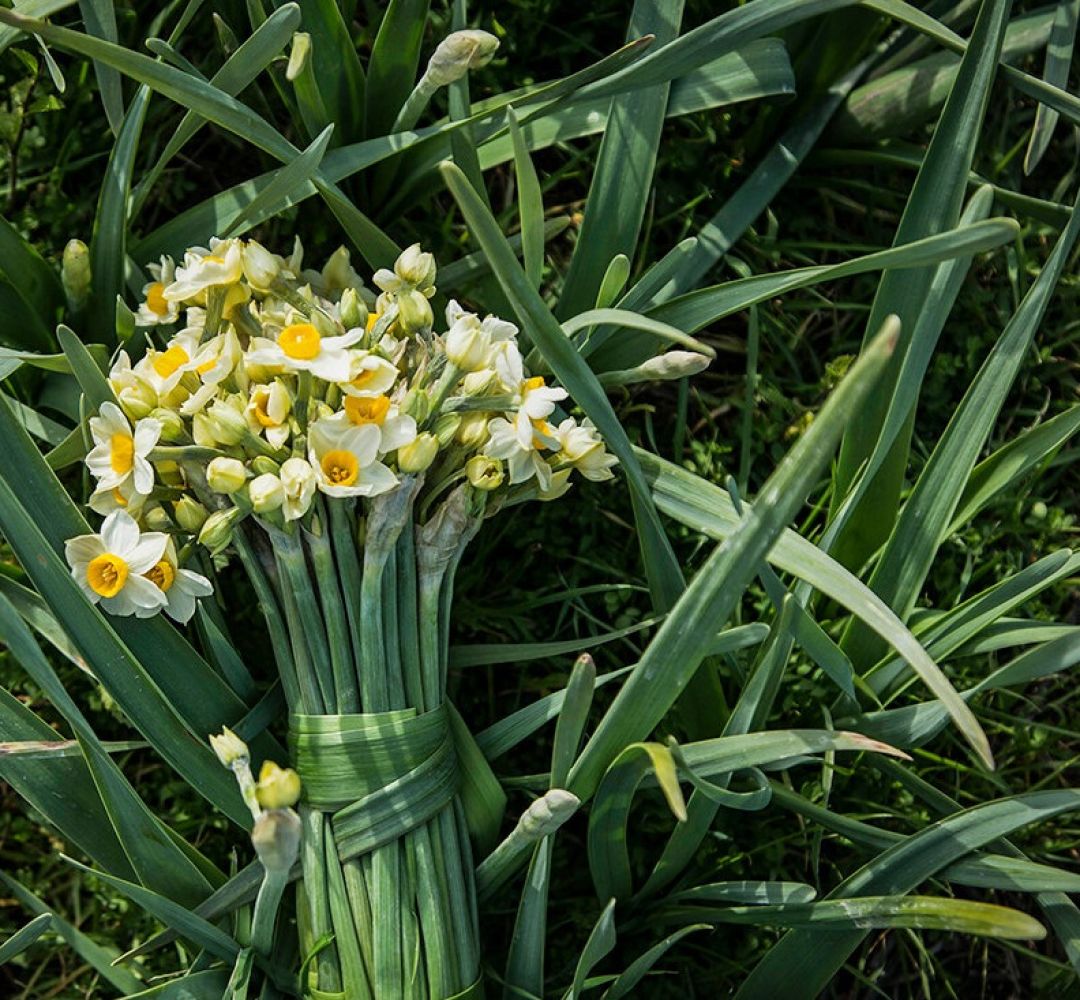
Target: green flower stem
<point>337,629</point>
<point>297,581</point>
<point>343,542</point>
<point>311,694</point>
<point>279,635</point>
<point>266,908</point>
<point>313,856</point>
<point>447,380</point>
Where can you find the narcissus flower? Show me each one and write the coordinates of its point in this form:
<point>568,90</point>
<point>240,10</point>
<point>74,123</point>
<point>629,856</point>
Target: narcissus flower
<point>583,448</point>
<point>182,587</point>
<point>120,454</point>
<point>221,265</point>
<point>345,458</point>
<point>523,459</point>
<point>109,566</point>
<point>300,347</point>
<point>299,481</point>
<point>369,375</point>
<point>278,787</point>
<point>155,308</point>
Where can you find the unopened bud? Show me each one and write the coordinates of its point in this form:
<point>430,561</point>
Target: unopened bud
<point>546,814</point>
<point>662,368</point>
<point>261,465</point>
<point>298,56</point>
<point>229,747</point>
<point>466,344</point>
<point>266,493</point>
<point>473,429</point>
<point>226,475</point>
<point>278,787</point>
<point>75,273</point>
<point>190,514</point>
<point>137,400</point>
<point>418,454</point>
<point>458,53</point>
<point>156,519</point>
<point>414,311</point>
<point>172,425</point>
<point>416,267</point>
<point>226,423</point>
<point>417,404</point>
<point>446,428</point>
<point>261,267</point>
<point>484,473</point>
<point>217,532</point>
<point>354,313</point>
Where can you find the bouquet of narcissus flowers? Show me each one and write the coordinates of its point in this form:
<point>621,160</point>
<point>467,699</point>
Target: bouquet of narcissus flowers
<point>345,453</point>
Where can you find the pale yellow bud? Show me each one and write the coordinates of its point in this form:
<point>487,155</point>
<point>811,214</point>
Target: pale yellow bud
<point>473,429</point>
<point>137,400</point>
<point>298,56</point>
<point>266,493</point>
<point>217,532</point>
<point>229,747</point>
<point>226,475</point>
<point>263,464</point>
<point>75,273</point>
<point>484,473</point>
<point>466,345</point>
<point>190,514</point>
<point>416,268</point>
<point>418,454</point>
<point>458,53</point>
<point>156,519</point>
<point>172,424</point>
<point>414,311</point>
<point>354,312</point>
<point>278,787</point>
<point>227,423</point>
<point>261,267</point>
<point>446,428</point>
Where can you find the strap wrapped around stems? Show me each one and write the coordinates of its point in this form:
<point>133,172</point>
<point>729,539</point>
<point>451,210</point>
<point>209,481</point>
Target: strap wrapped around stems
<point>380,775</point>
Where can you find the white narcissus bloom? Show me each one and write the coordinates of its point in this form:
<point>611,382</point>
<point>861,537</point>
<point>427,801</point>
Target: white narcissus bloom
<point>299,481</point>
<point>534,400</point>
<point>214,362</point>
<point>345,458</point>
<point>105,501</point>
<point>396,429</point>
<point>164,369</point>
<point>369,375</point>
<point>495,330</point>
<point>268,412</point>
<point>300,347</point>
<point>135,392</point>
<point>109,566</point>
<point>523,460</point>
<point>222,264</point>
<point>584,449</point>
<point>155,308</point>
<point>181,587</point>
<point>121,455</point>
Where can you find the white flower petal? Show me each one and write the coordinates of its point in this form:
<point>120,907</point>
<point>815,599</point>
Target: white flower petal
<point>120,534</point>
<point>146,553</point>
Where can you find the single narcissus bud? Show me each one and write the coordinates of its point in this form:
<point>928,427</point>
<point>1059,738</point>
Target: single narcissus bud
<point>664,367</point>
<point>414,311</point>
<point>172,426</point>
<point>190,514</point>
<point>157,519</point>
<point>261,267</point>
<point>217,532</point>
<point>484,473</point>
<point>418,454</point>
<point>137,400</point>
<point>226,475</point>
<point>458,53</point>
<point>353,310</point>
<point>266,492</point>
<point>473,429</point>
<point>226,423</point>
<point>298,56</point>
<point>75,273</point>
<point>466,345</point>
<point>229,747</point>
<point>276,839</point>
<point>417,404</point>
<point>416,267</point>
<point>262,464</point>
<point>546,814</point>
<point>278,787</point>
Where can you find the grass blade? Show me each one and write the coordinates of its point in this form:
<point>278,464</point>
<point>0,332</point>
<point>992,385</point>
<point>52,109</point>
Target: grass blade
<point>1059,52</point>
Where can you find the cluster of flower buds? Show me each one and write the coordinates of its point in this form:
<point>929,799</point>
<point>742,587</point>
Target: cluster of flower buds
<point>265,384</point>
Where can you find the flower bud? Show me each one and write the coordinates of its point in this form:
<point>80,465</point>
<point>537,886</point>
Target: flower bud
<point>417,404</point>
<point>298,56</point>
<point>416,268</point>
<point>278,787</point>
<point>75,274</point>
<point>338,273</point>
<point>414,311</point>
<point>226,423</point>
<point>217,532</point>
<point>267,493</point>
<point>156,519</point>
<point>190,514</point>
<point>263,464</point>
<point>418,454</point>
<point>664,367</point>
<point>276,839</point>
<point>473,429</point>
<point>137,400</point>
<point>172,424</point>
<point>546,814</point>
<point>458,53</point>
<point>261,267</point>
<point>446,428</point>
<point>298,480</point>
<point>484,473</point>
<point>226,475</point>
<point>354,313</point>
<point>229,747</point>
<point>478,382</point>
<point>466,344</point>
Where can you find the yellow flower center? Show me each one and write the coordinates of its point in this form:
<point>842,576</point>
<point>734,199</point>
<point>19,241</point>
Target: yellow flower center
<point>262,401</point>
<point>340,467</point>
<point>237,295</point>
<point>121,500</point>
<point>166,362</point>
<point>367,409</point>
<point>106,574</point>
<point>300,341</point>
<point>372,319</point>
<point>155,299</point>
<point>207,366</point>
<point>364,379</point>
<point>121,453</point>
<point>543,430</point>
<point>162,575</point>
<point>537,382</point>
<point>213,258</point>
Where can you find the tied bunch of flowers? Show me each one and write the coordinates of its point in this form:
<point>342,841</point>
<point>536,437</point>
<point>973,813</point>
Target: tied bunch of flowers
<point>345,453</point>
<point>276,383</point>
